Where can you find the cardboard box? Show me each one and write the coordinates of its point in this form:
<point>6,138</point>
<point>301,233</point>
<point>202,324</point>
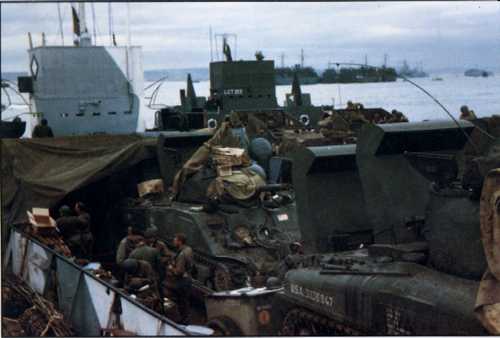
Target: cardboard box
<point>41,215</point>
<point>224,170</point>
<point>151,186</point>
<point>226,156</point>
<point>41,220</point>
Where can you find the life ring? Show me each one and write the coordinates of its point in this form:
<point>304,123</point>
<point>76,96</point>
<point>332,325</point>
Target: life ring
<point>212,123</point>
<point>304,118</point>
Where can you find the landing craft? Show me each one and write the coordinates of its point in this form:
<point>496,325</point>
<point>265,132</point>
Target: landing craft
<point>86,88</point>
<point>387,268</point>
<point>421,274</point>
<point>242,86</point>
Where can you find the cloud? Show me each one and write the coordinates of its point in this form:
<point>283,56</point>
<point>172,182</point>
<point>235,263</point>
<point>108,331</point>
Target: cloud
<point>175,35</point>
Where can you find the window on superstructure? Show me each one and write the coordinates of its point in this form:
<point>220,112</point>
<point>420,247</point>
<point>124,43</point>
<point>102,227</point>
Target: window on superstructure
<point>127,112</point>
<point>80,114</point>
<point>111,113</point>
<point>96,114</point>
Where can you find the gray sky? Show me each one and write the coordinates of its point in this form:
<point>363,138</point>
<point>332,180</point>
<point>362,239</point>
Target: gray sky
<point>175,35</point>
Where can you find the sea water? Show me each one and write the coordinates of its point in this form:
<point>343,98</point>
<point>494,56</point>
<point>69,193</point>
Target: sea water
<point>480,94</point>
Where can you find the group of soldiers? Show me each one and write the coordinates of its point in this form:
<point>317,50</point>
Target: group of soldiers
<point>152,272</point>
<point>146,268</point>
<point>342,127</point>
<point>74,227</point>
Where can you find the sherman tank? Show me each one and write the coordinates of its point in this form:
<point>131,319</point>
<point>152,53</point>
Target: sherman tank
<point>419,272</point>
<point>237,243</point>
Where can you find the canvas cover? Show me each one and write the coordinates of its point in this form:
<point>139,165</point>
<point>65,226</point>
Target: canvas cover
<point>222,137</point>
<point>488,297</point>
<point>41,172</point>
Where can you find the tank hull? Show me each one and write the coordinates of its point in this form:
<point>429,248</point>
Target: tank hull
<point>426,302</point>
<point>222,262</point>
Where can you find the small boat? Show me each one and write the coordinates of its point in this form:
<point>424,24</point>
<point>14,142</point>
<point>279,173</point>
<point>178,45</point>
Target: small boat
<point>474,72</point>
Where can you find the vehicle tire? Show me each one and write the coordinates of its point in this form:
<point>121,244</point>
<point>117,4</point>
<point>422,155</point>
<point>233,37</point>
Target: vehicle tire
<point>224,326</point>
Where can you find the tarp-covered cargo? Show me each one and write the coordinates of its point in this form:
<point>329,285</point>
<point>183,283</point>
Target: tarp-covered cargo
<point>41,172</point>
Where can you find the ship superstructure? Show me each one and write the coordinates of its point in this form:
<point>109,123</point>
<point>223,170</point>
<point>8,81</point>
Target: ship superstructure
<point>85,88</point>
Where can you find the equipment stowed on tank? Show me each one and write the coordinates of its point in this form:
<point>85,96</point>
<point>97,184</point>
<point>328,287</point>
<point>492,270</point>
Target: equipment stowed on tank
<point>236,242</point>
<point>414,279</point>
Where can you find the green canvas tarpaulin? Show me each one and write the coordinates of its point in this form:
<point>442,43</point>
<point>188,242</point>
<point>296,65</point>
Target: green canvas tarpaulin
<point>41,172</point>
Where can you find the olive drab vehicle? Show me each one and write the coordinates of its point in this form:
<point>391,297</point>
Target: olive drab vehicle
<point>238,242</point>
<point>416,187</point>
<point>236,85</point>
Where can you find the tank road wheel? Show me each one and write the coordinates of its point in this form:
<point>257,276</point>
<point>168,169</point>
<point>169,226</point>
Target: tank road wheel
<point>222,279</point>
<point>224,326</point>
<point>298,322</point>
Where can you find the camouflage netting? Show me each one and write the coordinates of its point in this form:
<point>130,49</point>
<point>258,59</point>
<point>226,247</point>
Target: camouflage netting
<point>41,172</point>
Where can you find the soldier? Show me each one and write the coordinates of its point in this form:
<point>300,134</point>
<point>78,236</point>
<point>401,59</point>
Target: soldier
<point>467,114</point>
<point>293,260</point>
<point>76,229</point>
<point>180,272</point>
<point>149,254</point>
<point>140,279</point>
<point>336,128</point>
<point>356,120</point>
<point>394,116</point>
<point>42,130</point>
<point>86,237</point>
<point>129,243</point>
<point>402,117</point>
<point>151,237</point>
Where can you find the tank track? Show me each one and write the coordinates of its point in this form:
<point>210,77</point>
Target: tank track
<point>300,321</point>
<point>226,276</point>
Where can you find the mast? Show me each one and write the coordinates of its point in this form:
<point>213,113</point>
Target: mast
<point>129,38</point>
<point>110,24</point>
<point>60,22</point>
<point>211,44</point>
<point>296,91</point>
<point>81,14</point>
<point>93,22</point>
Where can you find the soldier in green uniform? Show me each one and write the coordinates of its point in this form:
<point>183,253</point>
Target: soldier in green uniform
<point>140,280</point>
<point>335,128</point>
<point>467,114</point>
<point>151,237</point>
<point>180,273</point>
<point>144,252</point>
<point>42,130</point>
<point>129,243</point>
<point>76,230</point>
